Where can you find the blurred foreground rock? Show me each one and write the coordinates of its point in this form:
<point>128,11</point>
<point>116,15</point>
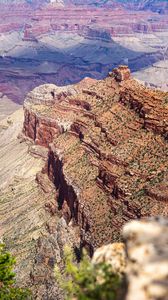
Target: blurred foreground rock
<point>113,254</point>
<point>147,249</point>
<point>146,257</point>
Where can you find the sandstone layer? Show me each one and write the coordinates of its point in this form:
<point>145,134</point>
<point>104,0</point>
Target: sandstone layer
<point>63,44</point>
<point>107,153</point>
<point>91,157</point>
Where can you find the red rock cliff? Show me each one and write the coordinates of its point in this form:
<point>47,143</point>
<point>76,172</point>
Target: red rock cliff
<point>107,153</point>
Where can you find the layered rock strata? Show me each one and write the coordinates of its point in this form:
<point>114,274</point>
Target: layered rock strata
<point>41,129</point>
<point>29,229</point>
<point>92,157</point>
<point>62,44</point>
<point>107,155</point>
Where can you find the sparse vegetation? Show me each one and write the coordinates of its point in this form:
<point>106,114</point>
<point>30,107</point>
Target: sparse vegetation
<point>8,291</point>
<point>87,281</point>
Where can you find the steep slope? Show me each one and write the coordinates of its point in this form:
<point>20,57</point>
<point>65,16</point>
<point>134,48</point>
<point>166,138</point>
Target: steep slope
<point>107,152</point>
<point>7,106</point>
<point>28,229</point>
<point>93,156</point>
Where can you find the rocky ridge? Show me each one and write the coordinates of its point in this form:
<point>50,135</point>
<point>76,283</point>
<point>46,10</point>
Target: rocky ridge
<point>91,157</point>
<point>107,155</point>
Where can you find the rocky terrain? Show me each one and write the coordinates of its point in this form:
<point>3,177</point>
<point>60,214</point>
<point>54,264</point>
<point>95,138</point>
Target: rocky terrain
<point>104,148</point>
<point>32,234</point>
<point>50,43</point>
<point>91,157</point>
<point>86,156</point>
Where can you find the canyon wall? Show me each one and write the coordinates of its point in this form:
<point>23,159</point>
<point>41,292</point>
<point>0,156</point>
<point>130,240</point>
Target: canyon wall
<point>108,156</point>
<point>63,44</point>
<point>33,22</point>
<point>91,157</point>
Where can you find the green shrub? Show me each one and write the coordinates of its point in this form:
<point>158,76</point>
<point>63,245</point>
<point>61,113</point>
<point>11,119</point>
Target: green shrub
<point>7,278</point>
<point>86,281</point>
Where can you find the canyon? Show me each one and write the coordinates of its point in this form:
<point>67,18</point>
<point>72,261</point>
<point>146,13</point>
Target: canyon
<point>100,132</point>
<point>91,156</point>
<point>83,132</point>
<point>62,43</point>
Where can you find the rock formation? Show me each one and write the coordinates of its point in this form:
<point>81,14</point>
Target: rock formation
<point>42,42</point>
<point>146,244</point>
<point>113,255</point>
<point>144,261</point>
<point>28,227</point>
<point>107,152</point>
<point>92,156</point>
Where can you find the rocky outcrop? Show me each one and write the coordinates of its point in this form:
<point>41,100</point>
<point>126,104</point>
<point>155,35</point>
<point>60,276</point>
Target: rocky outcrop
<point>108,165</point>
<point>98,34</point>
<point>40,129</point>
<point>30,224</point>
<point>113,255</point>
<point>151,106</point>
<point>147,270</point>
<point>121,74</point>
<point>142,258</point>
<point>98,168</point>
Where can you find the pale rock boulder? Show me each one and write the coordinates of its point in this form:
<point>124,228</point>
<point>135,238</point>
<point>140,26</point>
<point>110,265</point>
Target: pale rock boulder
<point>147,262</point>
<point>142,259</point>
<point>112,254</point>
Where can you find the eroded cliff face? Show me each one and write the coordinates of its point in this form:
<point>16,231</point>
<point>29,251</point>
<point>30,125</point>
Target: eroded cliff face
<point>39,127</point>
<point>30,224</point>
<point>92,156</point>
<point>107,156</point>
